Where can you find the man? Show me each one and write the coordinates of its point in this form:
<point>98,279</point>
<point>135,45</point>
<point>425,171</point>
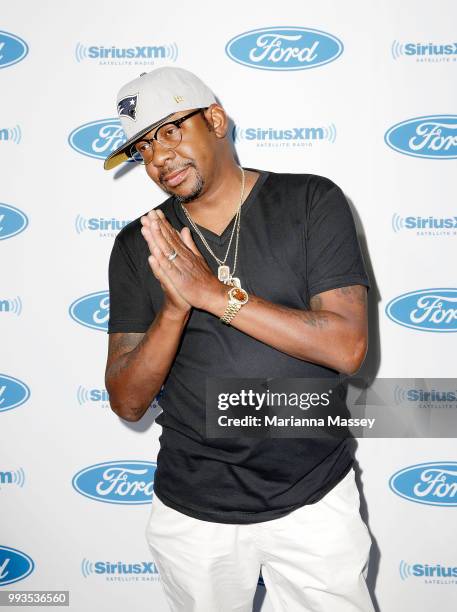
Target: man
<point>239,273</point>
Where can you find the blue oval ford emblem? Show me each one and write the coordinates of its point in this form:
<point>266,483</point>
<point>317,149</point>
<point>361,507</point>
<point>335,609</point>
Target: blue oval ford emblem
<point>432,310</point>
<point>284,48</point>
<point>117,482</point>
<point>91,310</point>
<point>15,565</point>
<point>432,137</point>
<point>13,392</point>
<point>12,49</point>
<point>432,483</point>
<point>12,221</point>
<point>98,138</point>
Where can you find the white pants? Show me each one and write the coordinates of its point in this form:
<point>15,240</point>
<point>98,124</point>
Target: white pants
<point>314,559</point>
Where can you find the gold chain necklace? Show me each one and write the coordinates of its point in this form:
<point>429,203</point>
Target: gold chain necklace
<point>223,271</point>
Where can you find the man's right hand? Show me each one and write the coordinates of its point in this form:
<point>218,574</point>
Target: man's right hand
<point>174,304</point>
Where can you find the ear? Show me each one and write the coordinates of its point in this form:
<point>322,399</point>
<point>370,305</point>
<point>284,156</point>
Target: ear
<point>217,117</point>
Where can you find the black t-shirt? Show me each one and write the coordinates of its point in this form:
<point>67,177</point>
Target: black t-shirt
<point>297,238</point>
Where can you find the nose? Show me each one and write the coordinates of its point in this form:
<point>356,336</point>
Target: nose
<point>161,154</point>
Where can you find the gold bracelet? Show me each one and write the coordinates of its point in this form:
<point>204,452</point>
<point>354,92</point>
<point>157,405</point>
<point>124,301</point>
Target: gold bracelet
<point>237,298</point>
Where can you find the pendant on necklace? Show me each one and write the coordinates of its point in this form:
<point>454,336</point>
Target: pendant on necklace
<point>223,273</point>
<point>235,281</point>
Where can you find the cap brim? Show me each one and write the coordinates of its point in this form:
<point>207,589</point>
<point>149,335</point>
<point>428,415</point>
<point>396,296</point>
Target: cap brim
<point>121,153</point>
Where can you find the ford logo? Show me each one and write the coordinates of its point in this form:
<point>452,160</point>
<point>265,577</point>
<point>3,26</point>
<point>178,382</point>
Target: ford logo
<point>12,49</point>
<point>117,482</point>
<point>432,137</point>
<point>433,483</point>
<point>91,310</point>
<point>12,221</point>
<point>13,392</point>
<point>432,310</point>
<point>284,48</point>
<point>14,565</point>
<point>97,139</point>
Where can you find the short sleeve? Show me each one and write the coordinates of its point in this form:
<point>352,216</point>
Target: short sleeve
<point>334,257</point>
<point>130,307</point>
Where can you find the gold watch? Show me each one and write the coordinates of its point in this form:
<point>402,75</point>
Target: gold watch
<point>237,297</point>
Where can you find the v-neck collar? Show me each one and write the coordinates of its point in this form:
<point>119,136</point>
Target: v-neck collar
<point>212,236</point>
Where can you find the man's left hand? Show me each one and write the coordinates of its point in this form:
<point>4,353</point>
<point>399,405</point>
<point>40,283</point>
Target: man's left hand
<point>189,272</point>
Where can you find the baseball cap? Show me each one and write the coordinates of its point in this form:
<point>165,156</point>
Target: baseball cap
<point>154,96</point>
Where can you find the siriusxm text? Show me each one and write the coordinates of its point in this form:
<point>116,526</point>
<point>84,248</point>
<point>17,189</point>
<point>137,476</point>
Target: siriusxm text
<point>420,569</point>
<point>430,222</point>
<point>419,395</point>
<point>127,52</point>
<point>107,567</point>
<point>296,133</point>
<point>430,49</point>
<point>99,223</point>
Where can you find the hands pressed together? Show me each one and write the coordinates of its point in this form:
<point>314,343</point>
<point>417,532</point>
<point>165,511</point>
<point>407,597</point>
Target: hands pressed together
<point>187,280</point>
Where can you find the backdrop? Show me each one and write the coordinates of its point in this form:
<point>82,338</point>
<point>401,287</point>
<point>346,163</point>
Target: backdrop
<point>360,92</point>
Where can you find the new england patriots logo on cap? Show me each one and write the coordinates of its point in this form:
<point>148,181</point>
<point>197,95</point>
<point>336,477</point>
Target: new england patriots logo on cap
<point>127,107</point>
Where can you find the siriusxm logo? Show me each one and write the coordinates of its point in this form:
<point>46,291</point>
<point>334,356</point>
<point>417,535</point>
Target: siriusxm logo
<point>430,52</point>
<point>433,310</point>
<point>287,137</point>
<point>431,137</point>
<point>15,565</point>
<point>100,396</point>
<point>12,49</point>
<point>433,483</point>
<point>95,396</point>
<point>284,48</point>
<point>117,482</point>
<point>12,221</point>
<point>12,134</point>
<point>98,138</point>
<point>120,571</point>
<point>91,310</point>
<point>426,570</point>
<point>106,228</point>
<point>13,392</point>
<point>425,226</point>
<point>12,477</point>
<point>440,398</point>
<point>133,56</point>
<point>11,305</point>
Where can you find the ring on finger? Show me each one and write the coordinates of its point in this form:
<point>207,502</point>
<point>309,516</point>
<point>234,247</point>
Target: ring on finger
<point>172,255</point>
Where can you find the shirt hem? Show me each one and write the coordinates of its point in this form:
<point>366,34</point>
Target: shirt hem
<point>338,282</point>
<point>245,518</point>
<point>128,327</point>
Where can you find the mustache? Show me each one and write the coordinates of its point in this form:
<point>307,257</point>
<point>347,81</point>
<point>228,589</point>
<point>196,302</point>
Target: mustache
<point>171,169</point>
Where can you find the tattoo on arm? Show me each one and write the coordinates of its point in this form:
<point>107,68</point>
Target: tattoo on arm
<point>126,342</point>
<point>316,302</point>
<point>311,317</point>
<point>315,319</point>
<point>315,316</point>
<point>119,351</point>
<point>354,294</point>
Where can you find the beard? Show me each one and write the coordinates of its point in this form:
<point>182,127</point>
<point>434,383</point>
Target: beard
<point>196,188</point>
